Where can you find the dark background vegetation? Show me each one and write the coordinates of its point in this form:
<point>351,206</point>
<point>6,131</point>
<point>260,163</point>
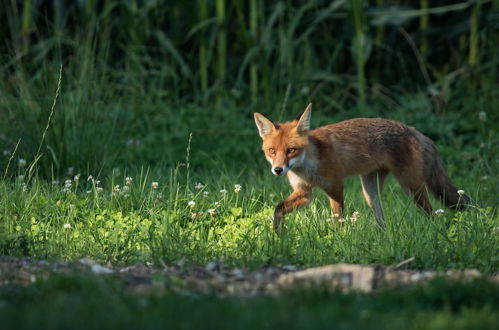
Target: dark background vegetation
<point>148,86</point>
<point>139,76</point>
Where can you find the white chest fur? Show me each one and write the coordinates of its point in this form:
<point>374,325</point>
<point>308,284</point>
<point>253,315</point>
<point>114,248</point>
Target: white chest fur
<point>305,171</point>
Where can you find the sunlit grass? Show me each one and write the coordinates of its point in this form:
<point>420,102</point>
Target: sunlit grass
<point>152,218</point>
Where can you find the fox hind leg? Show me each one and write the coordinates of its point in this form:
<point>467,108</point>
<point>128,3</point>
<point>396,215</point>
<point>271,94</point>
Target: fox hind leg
<point>372,186</point>
<point>415,186</point>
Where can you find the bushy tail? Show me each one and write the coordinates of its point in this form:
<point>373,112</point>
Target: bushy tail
<point>437,180</point>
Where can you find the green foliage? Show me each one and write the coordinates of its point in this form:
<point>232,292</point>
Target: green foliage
<point>137,78</point>
<point>132,219</point>
<point>130,95</point>
<point>170,86</point>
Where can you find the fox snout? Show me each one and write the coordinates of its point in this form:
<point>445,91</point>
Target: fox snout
<point>281,164</point>
<point>280,170</point>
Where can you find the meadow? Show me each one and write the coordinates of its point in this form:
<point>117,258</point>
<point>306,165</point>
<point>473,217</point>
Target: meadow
<point>127,136</point>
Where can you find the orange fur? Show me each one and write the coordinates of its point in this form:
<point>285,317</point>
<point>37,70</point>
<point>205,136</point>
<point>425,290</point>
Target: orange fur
<point>369,147</point>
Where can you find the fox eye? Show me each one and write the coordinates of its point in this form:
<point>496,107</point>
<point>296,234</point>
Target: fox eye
<point>291,150</point>
<point>271,151</point>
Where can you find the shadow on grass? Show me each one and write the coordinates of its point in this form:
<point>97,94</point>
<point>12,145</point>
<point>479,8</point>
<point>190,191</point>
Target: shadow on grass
<point>91,302</point>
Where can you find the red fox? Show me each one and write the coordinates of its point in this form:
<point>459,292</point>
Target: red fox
<point>369,147</point>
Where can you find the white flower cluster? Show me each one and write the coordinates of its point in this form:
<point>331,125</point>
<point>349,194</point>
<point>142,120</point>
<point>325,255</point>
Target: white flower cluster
<point>336,217</point>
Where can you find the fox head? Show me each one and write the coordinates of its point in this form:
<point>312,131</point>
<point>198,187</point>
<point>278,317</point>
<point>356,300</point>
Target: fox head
<point>284,144</point>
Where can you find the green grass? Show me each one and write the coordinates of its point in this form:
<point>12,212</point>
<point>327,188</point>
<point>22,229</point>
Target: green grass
<point>58,217</point>
<point>138,81</point>
<point>44,218</point>
<point>126,223</point>
<point>87,302</point>
<point>105,218</point>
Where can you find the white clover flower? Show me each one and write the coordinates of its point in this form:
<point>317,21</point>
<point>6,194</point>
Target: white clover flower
<point>154,185</point>
<point>205,194</point>
<point>21,162</point>
<point>191,204</point>
<point>193,216</point>
<point>24,187</point>
<point>237,188</point>
<point>199,186</point>
<point>90,177</point>
<point>128,180</point>
<point>99,189</point>
<point>482,116</point>
<point>223,191</point>
<point>439,212</point>
<point>68,183</point>
<point>125,189</point>
<point>217,204</point>
<point>97,182</point>
<point>67,226</point>
<point>89,192</point>
<point>355,216</point>
<point>341,220</point>
<point>76,177</point>
<point>460,192</point>
<point>116,188</point>
<point>211,212</point>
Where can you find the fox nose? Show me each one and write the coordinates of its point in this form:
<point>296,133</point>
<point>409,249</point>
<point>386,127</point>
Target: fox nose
<point>278,170</point>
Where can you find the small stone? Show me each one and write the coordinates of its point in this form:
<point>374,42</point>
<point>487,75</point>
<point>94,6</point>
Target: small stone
<point>211,266</point>
<point>259,277</point>
<point>237,273</point>
<point>98,269</point>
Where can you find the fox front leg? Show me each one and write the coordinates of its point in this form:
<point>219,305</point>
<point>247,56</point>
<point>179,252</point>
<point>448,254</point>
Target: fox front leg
<point>298,198</point>
<point>335,195</point>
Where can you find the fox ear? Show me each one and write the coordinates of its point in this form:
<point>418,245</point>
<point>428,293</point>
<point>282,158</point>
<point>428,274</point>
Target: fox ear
<point>265,125</point>
<point>304,119</point>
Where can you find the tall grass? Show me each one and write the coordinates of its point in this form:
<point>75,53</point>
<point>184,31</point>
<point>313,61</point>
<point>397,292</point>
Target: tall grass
<point>254,4</point>
<point>474,21</point>
<point>423,26</point>
<point>275,41</point>
<point>134,76</point>
<point>154,216</point>
<point>360,48</point>
<point>221,41</point>
<point>203,60</point>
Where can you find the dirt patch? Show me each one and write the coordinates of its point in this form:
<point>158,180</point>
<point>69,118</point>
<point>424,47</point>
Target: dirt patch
<point>222,280</point>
